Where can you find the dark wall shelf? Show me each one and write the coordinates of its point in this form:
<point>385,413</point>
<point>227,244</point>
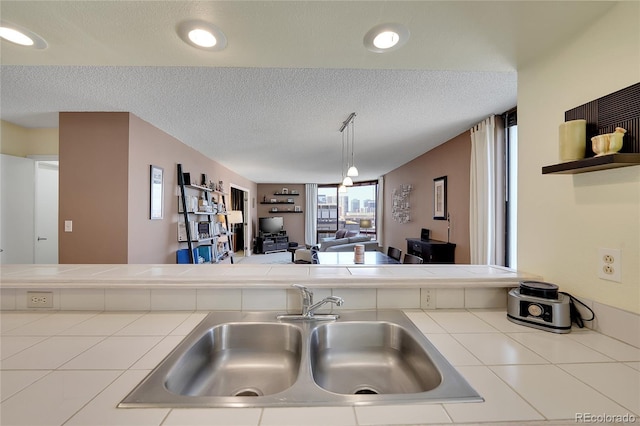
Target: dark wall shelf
<point>611,161</point>
<point>283,194</point>
<point>277,202</point>
<point>283,211</point>
<point>603,115</point>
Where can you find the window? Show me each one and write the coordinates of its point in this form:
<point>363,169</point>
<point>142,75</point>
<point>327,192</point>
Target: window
<point>354,210</point>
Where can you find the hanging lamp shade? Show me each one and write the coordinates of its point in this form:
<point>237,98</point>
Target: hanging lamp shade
<point>353,171</point>
<point>342,189</point>
<point>347,181</point>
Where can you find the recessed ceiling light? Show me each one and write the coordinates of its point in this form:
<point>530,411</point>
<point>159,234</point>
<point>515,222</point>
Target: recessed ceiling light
<point>21,36</point>
<point>386,37</point>
<point>202,34</point>
<point>202,38</point>
<point>386,40</point>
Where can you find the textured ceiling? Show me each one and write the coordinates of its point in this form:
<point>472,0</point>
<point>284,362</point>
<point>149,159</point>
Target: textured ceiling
<point>270,105</point>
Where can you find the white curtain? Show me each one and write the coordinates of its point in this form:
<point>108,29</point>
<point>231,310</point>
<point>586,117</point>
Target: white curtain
<point>380,212</point>
<point>311,214</point>
<point>487,203</point>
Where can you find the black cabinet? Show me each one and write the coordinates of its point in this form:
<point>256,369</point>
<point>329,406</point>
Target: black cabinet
<point>432,251</point>
<point>267,244</point>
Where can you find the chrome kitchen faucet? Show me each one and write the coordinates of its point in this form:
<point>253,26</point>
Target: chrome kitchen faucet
<point>309,308</point>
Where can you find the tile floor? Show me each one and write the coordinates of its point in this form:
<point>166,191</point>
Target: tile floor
<point>76,366</point>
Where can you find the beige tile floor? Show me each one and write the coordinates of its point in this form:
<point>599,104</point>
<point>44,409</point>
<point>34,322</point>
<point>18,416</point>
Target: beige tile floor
<point>72,368</point>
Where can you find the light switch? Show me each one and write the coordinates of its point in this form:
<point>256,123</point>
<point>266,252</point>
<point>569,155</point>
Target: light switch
<point>68,225</point>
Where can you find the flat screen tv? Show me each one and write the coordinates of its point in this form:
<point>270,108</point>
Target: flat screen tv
<point>271,225</point>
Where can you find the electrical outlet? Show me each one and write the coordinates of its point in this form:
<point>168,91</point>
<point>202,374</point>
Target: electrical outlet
<point>428,298</point>
<point>39,299</point>
<point>610,264</point>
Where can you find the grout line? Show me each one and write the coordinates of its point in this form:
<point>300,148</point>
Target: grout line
<point>260,416</point>
<point>169,411</point>
<point>122,372</point>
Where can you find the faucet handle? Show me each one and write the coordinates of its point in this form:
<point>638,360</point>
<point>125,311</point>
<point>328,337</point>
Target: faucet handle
<point>307,295</point>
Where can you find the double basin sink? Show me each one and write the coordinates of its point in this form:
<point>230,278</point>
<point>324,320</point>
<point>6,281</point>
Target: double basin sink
<point>240,359</point>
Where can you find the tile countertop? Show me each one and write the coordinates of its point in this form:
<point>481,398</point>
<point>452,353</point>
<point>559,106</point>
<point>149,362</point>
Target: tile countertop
<point>251,276</point>
<point>72,368</point>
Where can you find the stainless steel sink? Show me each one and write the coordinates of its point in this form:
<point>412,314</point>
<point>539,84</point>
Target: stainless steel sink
<point>370,358</point>
<point>240,359</point>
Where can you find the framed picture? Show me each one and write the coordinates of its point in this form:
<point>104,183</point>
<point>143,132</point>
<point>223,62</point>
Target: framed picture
<point>156,191</point>
<point>285,190</point>
<point>297,209</point>
<point>440,198</point>
<point>289,200</point>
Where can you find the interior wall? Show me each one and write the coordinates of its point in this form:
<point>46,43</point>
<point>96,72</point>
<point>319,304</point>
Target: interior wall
<point>21,141</point>
<point>450,159</point>
<point>105,161</point>
<point>293,222</point>
<point>564,219</point>
<point>94,157</point>
<point>150,145</point>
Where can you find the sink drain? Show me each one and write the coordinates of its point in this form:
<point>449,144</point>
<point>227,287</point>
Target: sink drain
<point>248,392</point>
<point>365,390</point>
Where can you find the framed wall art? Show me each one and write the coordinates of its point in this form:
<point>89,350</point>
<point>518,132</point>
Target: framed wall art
<point>440,198</point>
<point>156,191</point>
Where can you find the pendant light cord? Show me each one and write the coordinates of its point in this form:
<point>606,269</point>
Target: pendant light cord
<point>353,140</point>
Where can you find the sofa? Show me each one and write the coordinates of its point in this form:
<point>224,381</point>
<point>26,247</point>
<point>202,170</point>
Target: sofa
<point>349,243</point>
<point>303,255</point>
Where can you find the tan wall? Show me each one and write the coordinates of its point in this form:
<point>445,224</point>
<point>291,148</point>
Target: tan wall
<point>450,159</point>
<point>564,219</point>
<point>150,145</point>
<point>293,222</point>
<point>20,141</point>
<point>104,188</point>
<point>94,151</point>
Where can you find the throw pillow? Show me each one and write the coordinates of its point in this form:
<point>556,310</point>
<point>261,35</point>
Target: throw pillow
<point>340,233</point>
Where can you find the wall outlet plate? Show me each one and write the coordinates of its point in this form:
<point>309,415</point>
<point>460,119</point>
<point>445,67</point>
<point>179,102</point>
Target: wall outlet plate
<point>610,264</point>
<point>428,298</point>
<point>39,299</point>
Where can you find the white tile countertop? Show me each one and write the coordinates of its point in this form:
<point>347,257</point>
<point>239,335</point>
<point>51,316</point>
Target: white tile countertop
<point>258,275</point>
<point>72,368</point>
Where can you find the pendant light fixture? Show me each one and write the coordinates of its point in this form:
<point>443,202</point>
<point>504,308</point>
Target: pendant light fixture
<point>346,180</point>
<point>342,188</point>
<point>352,170</point>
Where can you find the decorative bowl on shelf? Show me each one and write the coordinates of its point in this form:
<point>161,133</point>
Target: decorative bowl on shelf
<point>609,143</point>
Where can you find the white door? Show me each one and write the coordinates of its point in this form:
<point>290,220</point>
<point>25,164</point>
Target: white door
<point>46,212</point>
<point>17,186</point>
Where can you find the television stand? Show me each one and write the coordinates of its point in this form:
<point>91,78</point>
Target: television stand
<point>270,243</point>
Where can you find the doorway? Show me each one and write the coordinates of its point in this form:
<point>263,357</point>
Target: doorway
<point>29,229</point>
<point>241,237</point>
<point>46,212</point>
